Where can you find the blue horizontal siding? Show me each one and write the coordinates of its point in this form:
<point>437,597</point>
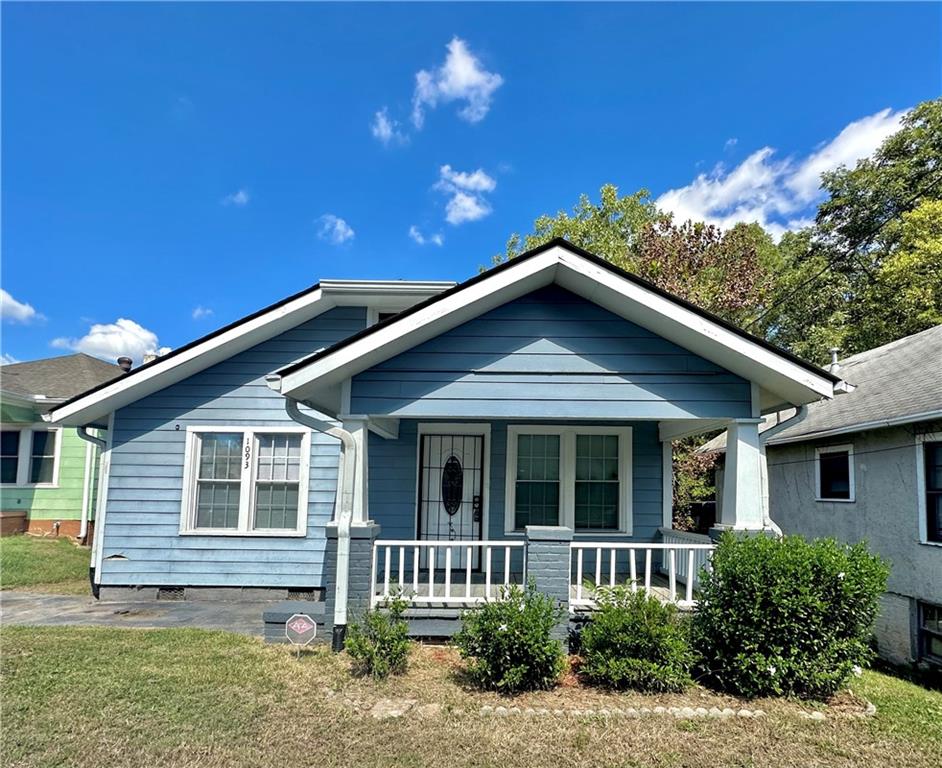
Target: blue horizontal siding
<point>393,481</point>
<point>550,354</point>
<point>145,489</point>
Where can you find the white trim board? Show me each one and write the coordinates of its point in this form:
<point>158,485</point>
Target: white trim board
<point>315,382</point>
<point>921,441</point>
<point>823,451</point>
<point>94,407</point>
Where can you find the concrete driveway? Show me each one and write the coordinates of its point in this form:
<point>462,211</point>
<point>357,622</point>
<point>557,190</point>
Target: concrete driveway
<point>37,609</point>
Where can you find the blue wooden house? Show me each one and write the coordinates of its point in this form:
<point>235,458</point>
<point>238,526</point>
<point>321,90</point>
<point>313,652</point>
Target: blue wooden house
<point>364,437</point>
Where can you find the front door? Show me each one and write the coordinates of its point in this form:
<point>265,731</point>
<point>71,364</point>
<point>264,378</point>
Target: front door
<point>451,484</point>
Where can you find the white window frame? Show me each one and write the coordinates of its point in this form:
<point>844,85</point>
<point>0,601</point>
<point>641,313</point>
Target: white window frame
<point>921,440</point>
<point>24,457</point>
<point>247,495</point>
<point>823,451</point>
<point>567,476</point>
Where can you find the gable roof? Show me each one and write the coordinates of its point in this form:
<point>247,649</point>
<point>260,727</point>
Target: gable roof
<point>57,378</point>
<point>94,405</point>
<point>317,379</point>
<point>898,383</point>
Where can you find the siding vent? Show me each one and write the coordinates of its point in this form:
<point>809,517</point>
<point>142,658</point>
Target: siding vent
<point>304,594</point>
<point>170,593</point>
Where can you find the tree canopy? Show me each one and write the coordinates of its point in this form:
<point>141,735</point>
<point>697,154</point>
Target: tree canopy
<point>867,272</point>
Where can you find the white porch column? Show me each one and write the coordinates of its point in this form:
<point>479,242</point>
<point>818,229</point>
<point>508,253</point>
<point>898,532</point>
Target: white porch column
<point>358,427</point>
<point>742,507</point>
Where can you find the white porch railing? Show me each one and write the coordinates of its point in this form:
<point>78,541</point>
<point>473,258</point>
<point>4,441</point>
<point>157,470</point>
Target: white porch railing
<point>447,573</point>
<point>701,556</point>
<point>609,569</point>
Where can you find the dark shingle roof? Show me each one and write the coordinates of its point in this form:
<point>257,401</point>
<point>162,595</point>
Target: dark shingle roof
<point>899,381</point>
<point>57,377</point>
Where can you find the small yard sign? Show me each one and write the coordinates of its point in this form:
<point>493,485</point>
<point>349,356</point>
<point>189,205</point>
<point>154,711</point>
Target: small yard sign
<point>300,629</point>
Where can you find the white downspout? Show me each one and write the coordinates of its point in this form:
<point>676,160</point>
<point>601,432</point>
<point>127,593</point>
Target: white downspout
<point>343,513</point>
<point>103,471</point>
<point>767,522</point>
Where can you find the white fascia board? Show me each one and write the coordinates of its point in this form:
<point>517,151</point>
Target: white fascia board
<point>692,331</point>
<point>427,323</point>
<point>96,406</point>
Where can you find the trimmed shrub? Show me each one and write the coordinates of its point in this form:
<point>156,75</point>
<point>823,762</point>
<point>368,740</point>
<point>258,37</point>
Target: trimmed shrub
<point>787,616</point>
<point>507,642</point>
<point>379,645</point>
<point>635,641</point>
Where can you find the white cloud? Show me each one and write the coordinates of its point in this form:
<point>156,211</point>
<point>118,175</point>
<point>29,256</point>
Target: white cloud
<point>110,341</point>
<point>777,193</point>
<point>476,181</point>
<point>239,198</point>
<point>460,78</point>
<point>387,130</point>
<point>730,143</point>
<point>466,190</point>
<point>14,311</point>
<point>7,359</point>
<point>334,230</point>
<point>416,234</point>
<point>200,312</point>
<point>464,207</point>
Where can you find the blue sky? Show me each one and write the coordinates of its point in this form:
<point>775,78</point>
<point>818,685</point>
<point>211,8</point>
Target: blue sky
<point>168,168</point>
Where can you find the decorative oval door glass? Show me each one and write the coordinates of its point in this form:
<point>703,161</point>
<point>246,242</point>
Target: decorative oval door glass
<point>452,485</point>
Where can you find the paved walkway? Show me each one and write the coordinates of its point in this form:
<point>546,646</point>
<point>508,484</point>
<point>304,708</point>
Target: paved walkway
<point>36,609</point>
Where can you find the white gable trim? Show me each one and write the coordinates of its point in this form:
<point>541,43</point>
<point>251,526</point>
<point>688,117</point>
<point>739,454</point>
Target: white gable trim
<point>315,382</point>
<point>215,348</point>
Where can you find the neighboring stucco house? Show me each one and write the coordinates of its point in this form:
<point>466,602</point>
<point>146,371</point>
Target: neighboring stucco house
<point>867,466</point>
<point>438,436</point>
<point>47,474</point>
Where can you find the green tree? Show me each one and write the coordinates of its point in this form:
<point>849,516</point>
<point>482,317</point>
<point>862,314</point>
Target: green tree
<point>608,229</point>
<point>866,273</point>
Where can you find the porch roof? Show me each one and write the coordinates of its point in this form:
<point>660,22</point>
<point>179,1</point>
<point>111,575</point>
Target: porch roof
<point>781,378</point>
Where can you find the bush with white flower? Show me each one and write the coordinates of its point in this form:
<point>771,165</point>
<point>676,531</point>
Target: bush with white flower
<point>508,643</point>
<point>787,616</point>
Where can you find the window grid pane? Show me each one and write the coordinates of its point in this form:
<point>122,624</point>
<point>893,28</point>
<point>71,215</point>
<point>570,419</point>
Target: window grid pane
<point>536,496</point>
<point>219,480</point>
<point>933,454</point>
<point>835,475</point>
<point>42,457</point>
<point>9,455</point>
<point>277,481</point>
<point>597,484</point>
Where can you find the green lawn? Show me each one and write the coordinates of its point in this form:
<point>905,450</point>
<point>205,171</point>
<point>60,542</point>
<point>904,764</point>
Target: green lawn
<point>43,565</point>
<point>91,697</point>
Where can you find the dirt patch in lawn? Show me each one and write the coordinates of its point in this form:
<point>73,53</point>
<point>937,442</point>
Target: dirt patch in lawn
<point>435,677</point>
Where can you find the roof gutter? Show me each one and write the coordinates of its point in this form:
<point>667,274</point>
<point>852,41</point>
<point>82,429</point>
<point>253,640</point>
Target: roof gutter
<point>343,511</point>
<point>878,424</point>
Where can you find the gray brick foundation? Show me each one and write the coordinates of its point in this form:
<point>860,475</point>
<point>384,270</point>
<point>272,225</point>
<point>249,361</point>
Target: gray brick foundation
<point>362,536</point>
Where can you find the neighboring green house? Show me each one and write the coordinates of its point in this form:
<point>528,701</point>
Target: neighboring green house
<point>47,473</point>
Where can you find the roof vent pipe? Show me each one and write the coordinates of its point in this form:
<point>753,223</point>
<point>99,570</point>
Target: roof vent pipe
<point>835,366</point>
<point>125,363</point>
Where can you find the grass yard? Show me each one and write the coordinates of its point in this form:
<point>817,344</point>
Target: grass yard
<point>91,697</point>
<point>43,565</point>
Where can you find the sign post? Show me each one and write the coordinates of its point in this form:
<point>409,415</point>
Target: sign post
<point>300,630</point>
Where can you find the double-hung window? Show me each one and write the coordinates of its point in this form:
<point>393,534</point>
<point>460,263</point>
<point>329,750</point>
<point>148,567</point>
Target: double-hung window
<point>929,487</point>
<point>834,473</point>
<point>29,456</point>
<point>246,481</point>
<point>579,477</point>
